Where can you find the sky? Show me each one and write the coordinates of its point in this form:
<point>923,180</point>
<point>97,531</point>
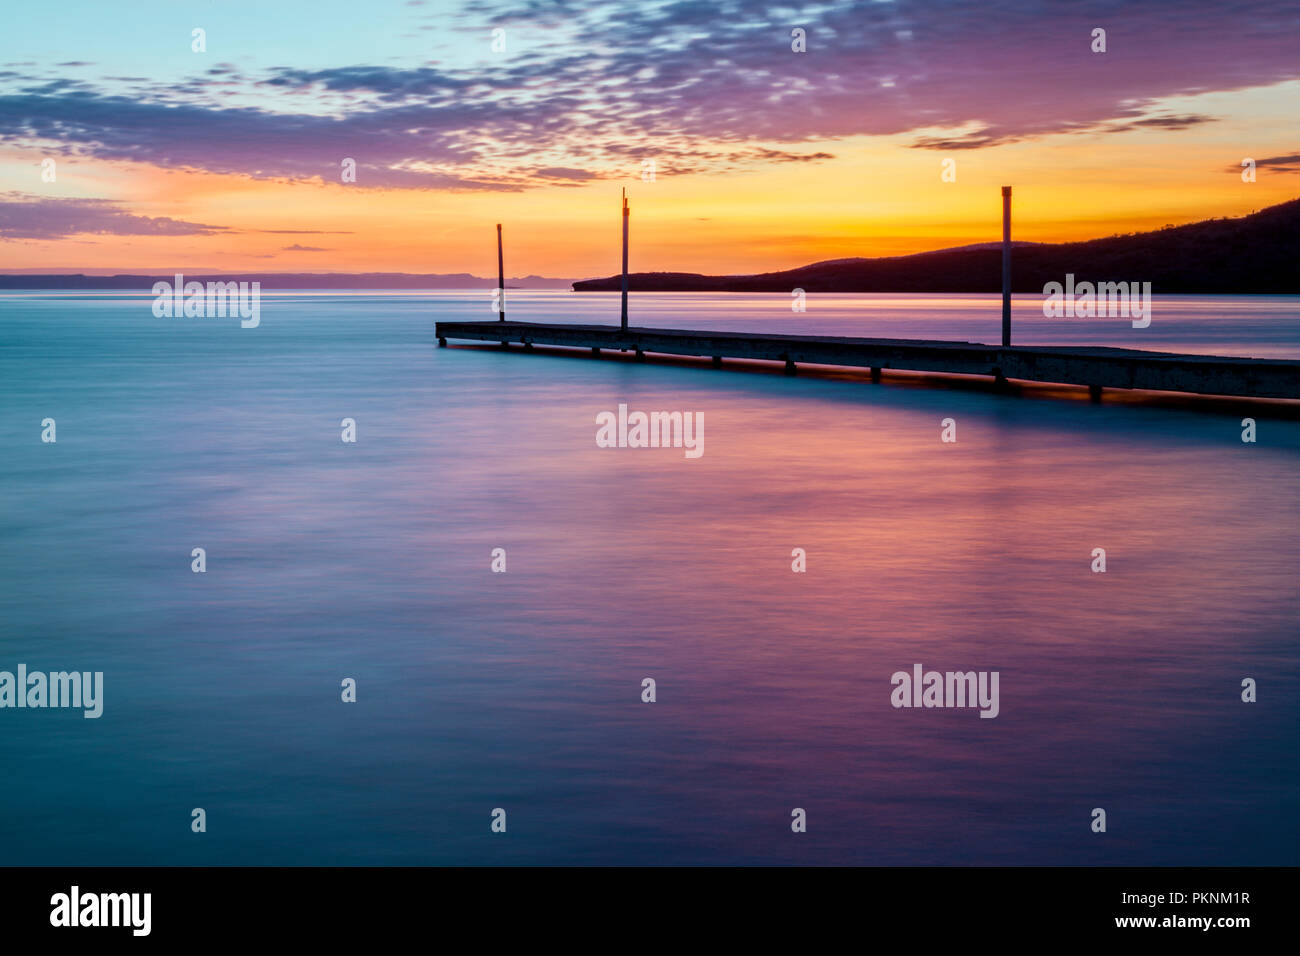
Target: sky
<point>123,148</point>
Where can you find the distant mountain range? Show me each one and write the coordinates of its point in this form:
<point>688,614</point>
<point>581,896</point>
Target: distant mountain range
<point>284,280</point>
<point>1259,253</point>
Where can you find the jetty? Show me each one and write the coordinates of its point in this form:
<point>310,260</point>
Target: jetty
<point>1092,367</point>
<point>1096,368</point>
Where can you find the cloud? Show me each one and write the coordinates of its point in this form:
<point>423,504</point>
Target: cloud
<point>978,140</point>
<point>1280,164</point>
<point>701,87</point>
<point>297,248</point>
<point>562,172</point>
<point>1171,122</point>
<point>1186,121</point>
<point>985,137</point>
<point>30,217</point>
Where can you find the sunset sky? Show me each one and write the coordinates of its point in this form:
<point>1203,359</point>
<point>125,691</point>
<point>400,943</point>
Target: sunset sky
<point>764,158</point>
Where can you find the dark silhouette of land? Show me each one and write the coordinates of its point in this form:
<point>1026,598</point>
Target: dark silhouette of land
<point>1259,254</point>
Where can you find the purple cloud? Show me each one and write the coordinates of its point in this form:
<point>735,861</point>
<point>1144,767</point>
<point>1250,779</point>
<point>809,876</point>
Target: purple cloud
<point>697,86</point>
<point>28,217</point>
<point>1280,164</point>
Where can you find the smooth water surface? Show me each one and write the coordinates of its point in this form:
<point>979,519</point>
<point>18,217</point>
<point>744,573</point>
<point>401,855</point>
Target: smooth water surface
<point>522,690</point>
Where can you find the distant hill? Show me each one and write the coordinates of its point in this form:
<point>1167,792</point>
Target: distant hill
<point>284,280</point>
<point>1259,253</point>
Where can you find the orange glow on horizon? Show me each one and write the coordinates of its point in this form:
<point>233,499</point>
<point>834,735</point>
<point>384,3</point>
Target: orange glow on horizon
<point>876,197</point>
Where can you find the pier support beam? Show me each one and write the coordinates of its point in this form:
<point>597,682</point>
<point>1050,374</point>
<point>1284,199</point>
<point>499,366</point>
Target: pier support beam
<point>501,277</point>
<point>528,346</point>
<point>875,373</point>
<point>789,367</point>
<point>624,317</point>
<point>595,351</point>
<point>442,342</point>
<point>640,356</point>
<point>717,361</point>
<point>1094,394</point>
<point>1006,267</point>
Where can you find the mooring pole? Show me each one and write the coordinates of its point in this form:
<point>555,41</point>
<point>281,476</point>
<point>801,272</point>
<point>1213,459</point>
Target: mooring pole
<point>501,278</point>
<point>625,257</point>
<point>1006,267</point>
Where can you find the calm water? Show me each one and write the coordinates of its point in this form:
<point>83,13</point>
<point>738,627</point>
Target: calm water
<point>522,690</point>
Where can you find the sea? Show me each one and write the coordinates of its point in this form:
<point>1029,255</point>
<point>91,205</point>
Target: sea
<point>498,590</point>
